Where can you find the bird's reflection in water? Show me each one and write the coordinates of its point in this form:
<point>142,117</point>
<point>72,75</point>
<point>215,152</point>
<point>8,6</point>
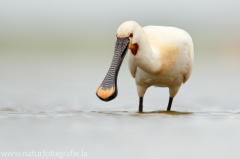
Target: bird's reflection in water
<point>151,113</point>
<point>167,112</point>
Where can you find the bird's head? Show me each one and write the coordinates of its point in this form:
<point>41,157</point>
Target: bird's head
<point>131,30</point>
<point>127,38</point>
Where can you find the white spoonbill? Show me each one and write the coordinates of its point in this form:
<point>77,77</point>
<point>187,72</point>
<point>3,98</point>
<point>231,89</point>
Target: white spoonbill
<point>157,56</point>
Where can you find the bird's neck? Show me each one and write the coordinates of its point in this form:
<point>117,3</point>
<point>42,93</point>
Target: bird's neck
<point>146,58</point>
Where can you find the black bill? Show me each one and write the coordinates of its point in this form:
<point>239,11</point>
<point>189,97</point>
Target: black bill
<point>108,89</point>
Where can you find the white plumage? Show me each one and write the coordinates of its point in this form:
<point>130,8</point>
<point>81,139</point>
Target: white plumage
<point>164,57</point>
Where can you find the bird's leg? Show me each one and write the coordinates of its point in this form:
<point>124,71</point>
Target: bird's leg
<point>169,103</point>
<point>140,104</point>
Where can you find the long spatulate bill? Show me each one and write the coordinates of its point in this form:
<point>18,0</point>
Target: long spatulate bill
<point>108,89</point>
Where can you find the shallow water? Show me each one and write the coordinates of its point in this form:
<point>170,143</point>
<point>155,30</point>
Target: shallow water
<point>123,134</point>
<point>48,102</point>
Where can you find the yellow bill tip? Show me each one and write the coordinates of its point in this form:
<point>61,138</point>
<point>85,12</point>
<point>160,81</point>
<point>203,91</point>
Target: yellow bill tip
<point>105,94</point>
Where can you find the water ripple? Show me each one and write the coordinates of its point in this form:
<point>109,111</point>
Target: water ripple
<point>10,111</point>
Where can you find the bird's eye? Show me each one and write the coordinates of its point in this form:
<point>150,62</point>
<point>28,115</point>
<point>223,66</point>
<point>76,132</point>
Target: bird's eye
<point>131,35</point>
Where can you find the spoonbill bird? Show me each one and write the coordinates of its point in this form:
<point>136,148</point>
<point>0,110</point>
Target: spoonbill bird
<point>157,56</point>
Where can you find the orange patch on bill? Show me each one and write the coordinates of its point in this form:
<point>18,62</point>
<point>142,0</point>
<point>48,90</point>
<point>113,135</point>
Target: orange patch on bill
<point>105,93</point>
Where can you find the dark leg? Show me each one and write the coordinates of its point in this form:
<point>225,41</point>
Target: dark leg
<point>140,104</point>
<point>169,103</point>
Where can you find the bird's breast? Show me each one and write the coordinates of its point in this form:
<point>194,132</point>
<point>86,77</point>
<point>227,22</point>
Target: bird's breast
<point>168,56</point>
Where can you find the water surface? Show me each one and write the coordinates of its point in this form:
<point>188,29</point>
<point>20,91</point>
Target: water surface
<point>48,102</point>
